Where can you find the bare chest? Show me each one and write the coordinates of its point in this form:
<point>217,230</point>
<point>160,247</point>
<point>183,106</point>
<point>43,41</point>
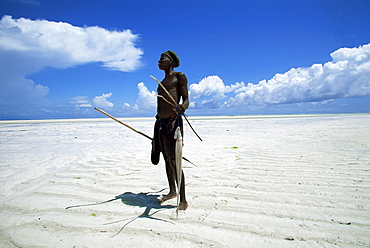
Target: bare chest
<point>170,83</point>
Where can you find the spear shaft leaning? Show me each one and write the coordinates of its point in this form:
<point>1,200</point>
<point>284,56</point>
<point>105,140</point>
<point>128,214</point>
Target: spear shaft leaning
<point>133,129</point>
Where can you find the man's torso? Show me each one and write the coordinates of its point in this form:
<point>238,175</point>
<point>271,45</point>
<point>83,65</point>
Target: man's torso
<point>172,85</point>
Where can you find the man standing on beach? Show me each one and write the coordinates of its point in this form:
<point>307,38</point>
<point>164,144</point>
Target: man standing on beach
<point>168,119</point>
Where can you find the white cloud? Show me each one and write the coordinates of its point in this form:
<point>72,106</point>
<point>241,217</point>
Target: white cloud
<point>213,89</point>
<point>15,92</point>
<point>27,46</point>
<point>102,102</point>
<point>61,45</point>
<point>81,101</point>
<point>86,105</point>
<point>212,85</point>
<point>146,101</point>
<point>347,75</point>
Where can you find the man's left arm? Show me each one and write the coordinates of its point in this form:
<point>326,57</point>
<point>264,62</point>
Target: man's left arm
<point>183,81</point>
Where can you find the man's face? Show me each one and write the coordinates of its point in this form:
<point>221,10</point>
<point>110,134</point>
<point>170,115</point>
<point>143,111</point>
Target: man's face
<point>164,62</point>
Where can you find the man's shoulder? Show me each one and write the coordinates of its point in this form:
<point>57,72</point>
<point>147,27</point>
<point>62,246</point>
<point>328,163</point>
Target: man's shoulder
<point>180,76</point>
<point>179,73</point>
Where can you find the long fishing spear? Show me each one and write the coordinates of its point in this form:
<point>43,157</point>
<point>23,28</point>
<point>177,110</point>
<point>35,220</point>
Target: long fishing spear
<point>133,129</point>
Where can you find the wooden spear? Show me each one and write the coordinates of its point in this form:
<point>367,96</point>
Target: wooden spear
<point>133,129</point>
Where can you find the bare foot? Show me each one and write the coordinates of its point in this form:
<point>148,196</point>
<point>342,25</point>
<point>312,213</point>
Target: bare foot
<point>167,197</point>
<point>183,205</point>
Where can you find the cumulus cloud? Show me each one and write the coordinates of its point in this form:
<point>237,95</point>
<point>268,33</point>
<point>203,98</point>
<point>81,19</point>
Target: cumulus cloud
<point>212,90</point>
<point>27,46</point>
<point>102,102</point>
<point>61,45</point>
<point>81,101</point>
<point>146,101</point>
<point>21,97</point>
<point>346,76</point>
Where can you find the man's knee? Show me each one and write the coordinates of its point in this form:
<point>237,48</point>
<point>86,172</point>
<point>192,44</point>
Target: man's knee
<point>169,159</point>
<point>171,162</point>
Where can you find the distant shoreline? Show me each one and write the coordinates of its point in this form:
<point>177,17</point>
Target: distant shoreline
<point>213,117</point>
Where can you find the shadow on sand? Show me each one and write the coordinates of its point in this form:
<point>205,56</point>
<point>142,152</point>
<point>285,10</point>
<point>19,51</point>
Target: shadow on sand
<point>145,200</point>
<point>148,201</point>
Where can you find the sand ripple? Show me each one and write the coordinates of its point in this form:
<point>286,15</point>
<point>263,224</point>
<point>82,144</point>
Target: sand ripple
<point>258,182</point>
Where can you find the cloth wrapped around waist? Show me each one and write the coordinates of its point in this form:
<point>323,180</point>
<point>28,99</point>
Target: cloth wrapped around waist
<point>163,139</point>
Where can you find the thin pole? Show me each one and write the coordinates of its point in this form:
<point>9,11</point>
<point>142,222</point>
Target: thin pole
<point>168,93</point>
<point>133,129</point>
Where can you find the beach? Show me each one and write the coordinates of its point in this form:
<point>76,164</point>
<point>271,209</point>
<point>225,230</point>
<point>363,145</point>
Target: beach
<point>254,181</point>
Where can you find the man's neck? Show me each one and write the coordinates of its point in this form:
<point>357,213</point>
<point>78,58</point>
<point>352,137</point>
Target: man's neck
<point>169,72</point>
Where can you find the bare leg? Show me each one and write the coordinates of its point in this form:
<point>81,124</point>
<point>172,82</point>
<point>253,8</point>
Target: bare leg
<point>183,203</point>
<point>172,176</point>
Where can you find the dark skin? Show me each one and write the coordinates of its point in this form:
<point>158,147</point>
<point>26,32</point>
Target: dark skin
<point>176,84</point>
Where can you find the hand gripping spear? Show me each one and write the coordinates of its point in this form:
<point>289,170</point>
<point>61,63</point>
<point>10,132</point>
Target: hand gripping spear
<point>133,129</point>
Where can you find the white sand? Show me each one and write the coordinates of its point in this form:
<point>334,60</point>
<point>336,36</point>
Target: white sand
<point>275,181</point>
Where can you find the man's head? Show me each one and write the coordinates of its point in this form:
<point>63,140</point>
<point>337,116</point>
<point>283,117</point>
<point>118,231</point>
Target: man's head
<point>173,56</point>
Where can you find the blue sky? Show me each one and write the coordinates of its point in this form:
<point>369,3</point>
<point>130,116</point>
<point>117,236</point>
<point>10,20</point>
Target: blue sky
<point>60,59</point>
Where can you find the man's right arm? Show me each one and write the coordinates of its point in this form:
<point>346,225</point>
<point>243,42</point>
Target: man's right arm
<point>183,81</point>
